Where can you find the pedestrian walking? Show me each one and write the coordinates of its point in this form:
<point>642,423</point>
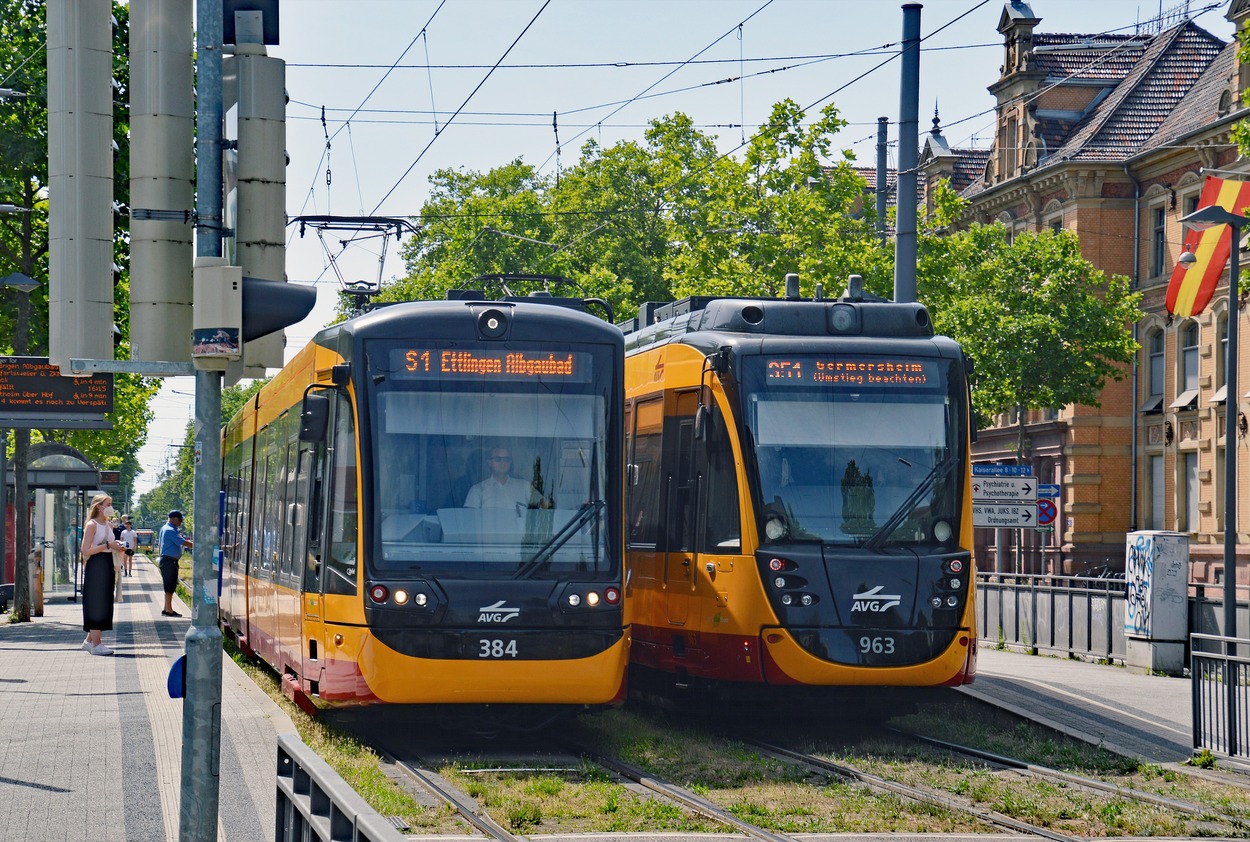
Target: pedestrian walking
<point>171,544</point>
<point>97,548</point>
<point>130,539</point>
<point>118,558</point>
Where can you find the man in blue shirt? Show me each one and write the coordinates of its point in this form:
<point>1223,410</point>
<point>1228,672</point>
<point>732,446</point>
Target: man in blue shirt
<point>171,544</point>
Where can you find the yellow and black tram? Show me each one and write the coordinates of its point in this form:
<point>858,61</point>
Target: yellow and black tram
<point>798,494</point>
<point>425,506</point>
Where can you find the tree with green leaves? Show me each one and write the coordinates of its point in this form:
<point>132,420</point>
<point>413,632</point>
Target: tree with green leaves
<point>1044,327</point>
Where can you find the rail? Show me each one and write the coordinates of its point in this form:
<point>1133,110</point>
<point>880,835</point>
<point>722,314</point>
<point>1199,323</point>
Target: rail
<point>1221,697</point>
<point>314,803</point>
<point>1075,616</point>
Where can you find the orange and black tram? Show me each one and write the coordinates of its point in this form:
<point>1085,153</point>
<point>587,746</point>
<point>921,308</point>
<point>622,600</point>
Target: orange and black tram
<point>425,506</point>
<point>798,494</point>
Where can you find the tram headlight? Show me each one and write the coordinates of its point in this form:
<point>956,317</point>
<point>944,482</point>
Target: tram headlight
<point>952,601</point>
<point>574,600</point>
<point>780,582</point>
<point>775,528</point>
<point>955,583</point>
<point>592,599</point>
<point>941,532</point>
<point>936,602</point>
<point>421,599</point>
<point>806,599</point>
<point>401,597</point>
<point>786,599</point>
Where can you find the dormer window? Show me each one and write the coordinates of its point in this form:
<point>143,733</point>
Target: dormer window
<point>1226,102</point>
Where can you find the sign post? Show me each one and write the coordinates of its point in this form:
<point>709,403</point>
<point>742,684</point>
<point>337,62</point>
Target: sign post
<point>1004,497</point>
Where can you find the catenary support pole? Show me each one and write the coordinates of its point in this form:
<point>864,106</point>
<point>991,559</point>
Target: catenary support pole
<point>883,188</point>
<point>908,157</point>
<point>1230,490</point>
<point>201,715</point>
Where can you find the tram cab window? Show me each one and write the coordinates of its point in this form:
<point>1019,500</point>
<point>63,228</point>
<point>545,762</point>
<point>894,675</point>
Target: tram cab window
<point>854,464</point>
<point>475,481</point>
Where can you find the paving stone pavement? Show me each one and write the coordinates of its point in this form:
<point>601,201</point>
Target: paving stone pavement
<point>91,746</point>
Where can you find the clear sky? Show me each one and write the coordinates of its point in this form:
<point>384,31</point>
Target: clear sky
<point>602,68</point>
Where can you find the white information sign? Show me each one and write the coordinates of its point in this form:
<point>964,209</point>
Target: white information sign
<point>1004,489</point>
<point>1004,515</point>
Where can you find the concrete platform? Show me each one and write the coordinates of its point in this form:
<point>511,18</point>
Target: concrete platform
<point>91,746</point>
<point>1136,715</point>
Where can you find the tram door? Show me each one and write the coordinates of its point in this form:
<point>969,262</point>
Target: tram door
<point>314,458</point>
<point>680,493</point>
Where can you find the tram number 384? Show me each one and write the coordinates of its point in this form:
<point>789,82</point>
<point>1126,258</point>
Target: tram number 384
<point>496,648</point>
<point>876,645</point>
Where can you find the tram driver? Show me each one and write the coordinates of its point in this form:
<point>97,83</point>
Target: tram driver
<point>501,490</point>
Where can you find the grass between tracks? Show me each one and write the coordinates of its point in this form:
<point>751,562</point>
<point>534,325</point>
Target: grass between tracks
<point>358,765</point>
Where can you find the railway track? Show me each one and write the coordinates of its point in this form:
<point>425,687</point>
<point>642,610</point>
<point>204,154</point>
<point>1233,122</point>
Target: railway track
<point>1059,776</point>
<point>923,796</point>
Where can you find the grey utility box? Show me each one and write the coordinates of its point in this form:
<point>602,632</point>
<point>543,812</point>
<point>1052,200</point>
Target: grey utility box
<point>1156,613</point>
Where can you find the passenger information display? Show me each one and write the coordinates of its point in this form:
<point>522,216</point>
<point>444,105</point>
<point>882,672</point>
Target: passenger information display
<point>478,364</point>
<point>844,371</point>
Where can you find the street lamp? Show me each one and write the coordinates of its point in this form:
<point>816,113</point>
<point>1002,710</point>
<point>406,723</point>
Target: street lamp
<point>1201,219</point>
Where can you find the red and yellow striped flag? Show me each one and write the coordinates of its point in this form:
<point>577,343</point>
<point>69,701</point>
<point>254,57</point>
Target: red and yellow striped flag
<point>1191,287</point>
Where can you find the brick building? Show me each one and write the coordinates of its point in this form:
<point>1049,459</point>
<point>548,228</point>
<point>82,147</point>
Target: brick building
<point>1108,136</point>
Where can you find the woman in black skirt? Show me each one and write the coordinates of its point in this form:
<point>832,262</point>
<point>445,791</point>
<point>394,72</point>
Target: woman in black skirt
<point>98,544</point>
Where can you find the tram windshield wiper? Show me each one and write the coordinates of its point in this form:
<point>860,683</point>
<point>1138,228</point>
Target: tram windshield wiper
<point>937,473</point>
<point>562,536</point>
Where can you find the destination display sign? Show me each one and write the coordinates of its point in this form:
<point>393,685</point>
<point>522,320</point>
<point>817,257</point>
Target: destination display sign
<point>855,372</point>
<point>34,394</point>
<point>478,364</point>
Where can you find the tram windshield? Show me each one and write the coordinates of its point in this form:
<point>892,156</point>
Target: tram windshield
<point>856,449</point>
<point>490,461</point>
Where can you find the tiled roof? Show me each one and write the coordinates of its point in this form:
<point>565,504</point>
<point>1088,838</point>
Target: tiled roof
<point>1201,104</point>
<point>869,174</point>
<point>1108,57</point>
<point>1123,123</point>
<point>969,167</point>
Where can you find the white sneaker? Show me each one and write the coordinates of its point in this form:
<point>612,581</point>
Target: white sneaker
<point>86,644</point>
<point>101,650</point>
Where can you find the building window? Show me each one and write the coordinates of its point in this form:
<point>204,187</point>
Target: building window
<point>1189,509</point>
<point>1221,360</point>
<point>1158,240</point>
<point>1187,376</point>
<point>1189,357</point>
<point>1219,487</point>
<point>1191,203</point>
<point>1156,363</point>
<point>1154,518</point>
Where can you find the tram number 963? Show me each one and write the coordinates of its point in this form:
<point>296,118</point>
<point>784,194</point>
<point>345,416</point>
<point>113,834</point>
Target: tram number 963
<point>496,648</point>
<point>876,645</point>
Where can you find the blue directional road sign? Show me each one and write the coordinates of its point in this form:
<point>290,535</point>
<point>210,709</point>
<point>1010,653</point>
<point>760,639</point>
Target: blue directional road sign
<point>1048,489</point>
<point>1002,470</point>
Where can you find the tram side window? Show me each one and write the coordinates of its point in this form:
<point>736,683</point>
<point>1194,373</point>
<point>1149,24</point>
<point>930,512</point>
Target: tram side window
<point>722,522</point>
<point>341,559</point>
<point>288,504</point>
<point>682,484</point>
<point>645,479</point>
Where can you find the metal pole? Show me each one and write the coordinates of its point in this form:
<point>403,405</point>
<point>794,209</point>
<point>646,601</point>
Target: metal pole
<point>883,128</point>
<point>1230,485</point>
<point>908,158</point>
<point>201,713</point>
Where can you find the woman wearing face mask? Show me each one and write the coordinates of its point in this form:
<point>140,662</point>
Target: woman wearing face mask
<point>98,544</point>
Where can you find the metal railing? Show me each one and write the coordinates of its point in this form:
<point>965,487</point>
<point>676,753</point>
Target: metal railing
<point>1072,615</point>
<point>1221,711</point>
<point>314,803</point>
